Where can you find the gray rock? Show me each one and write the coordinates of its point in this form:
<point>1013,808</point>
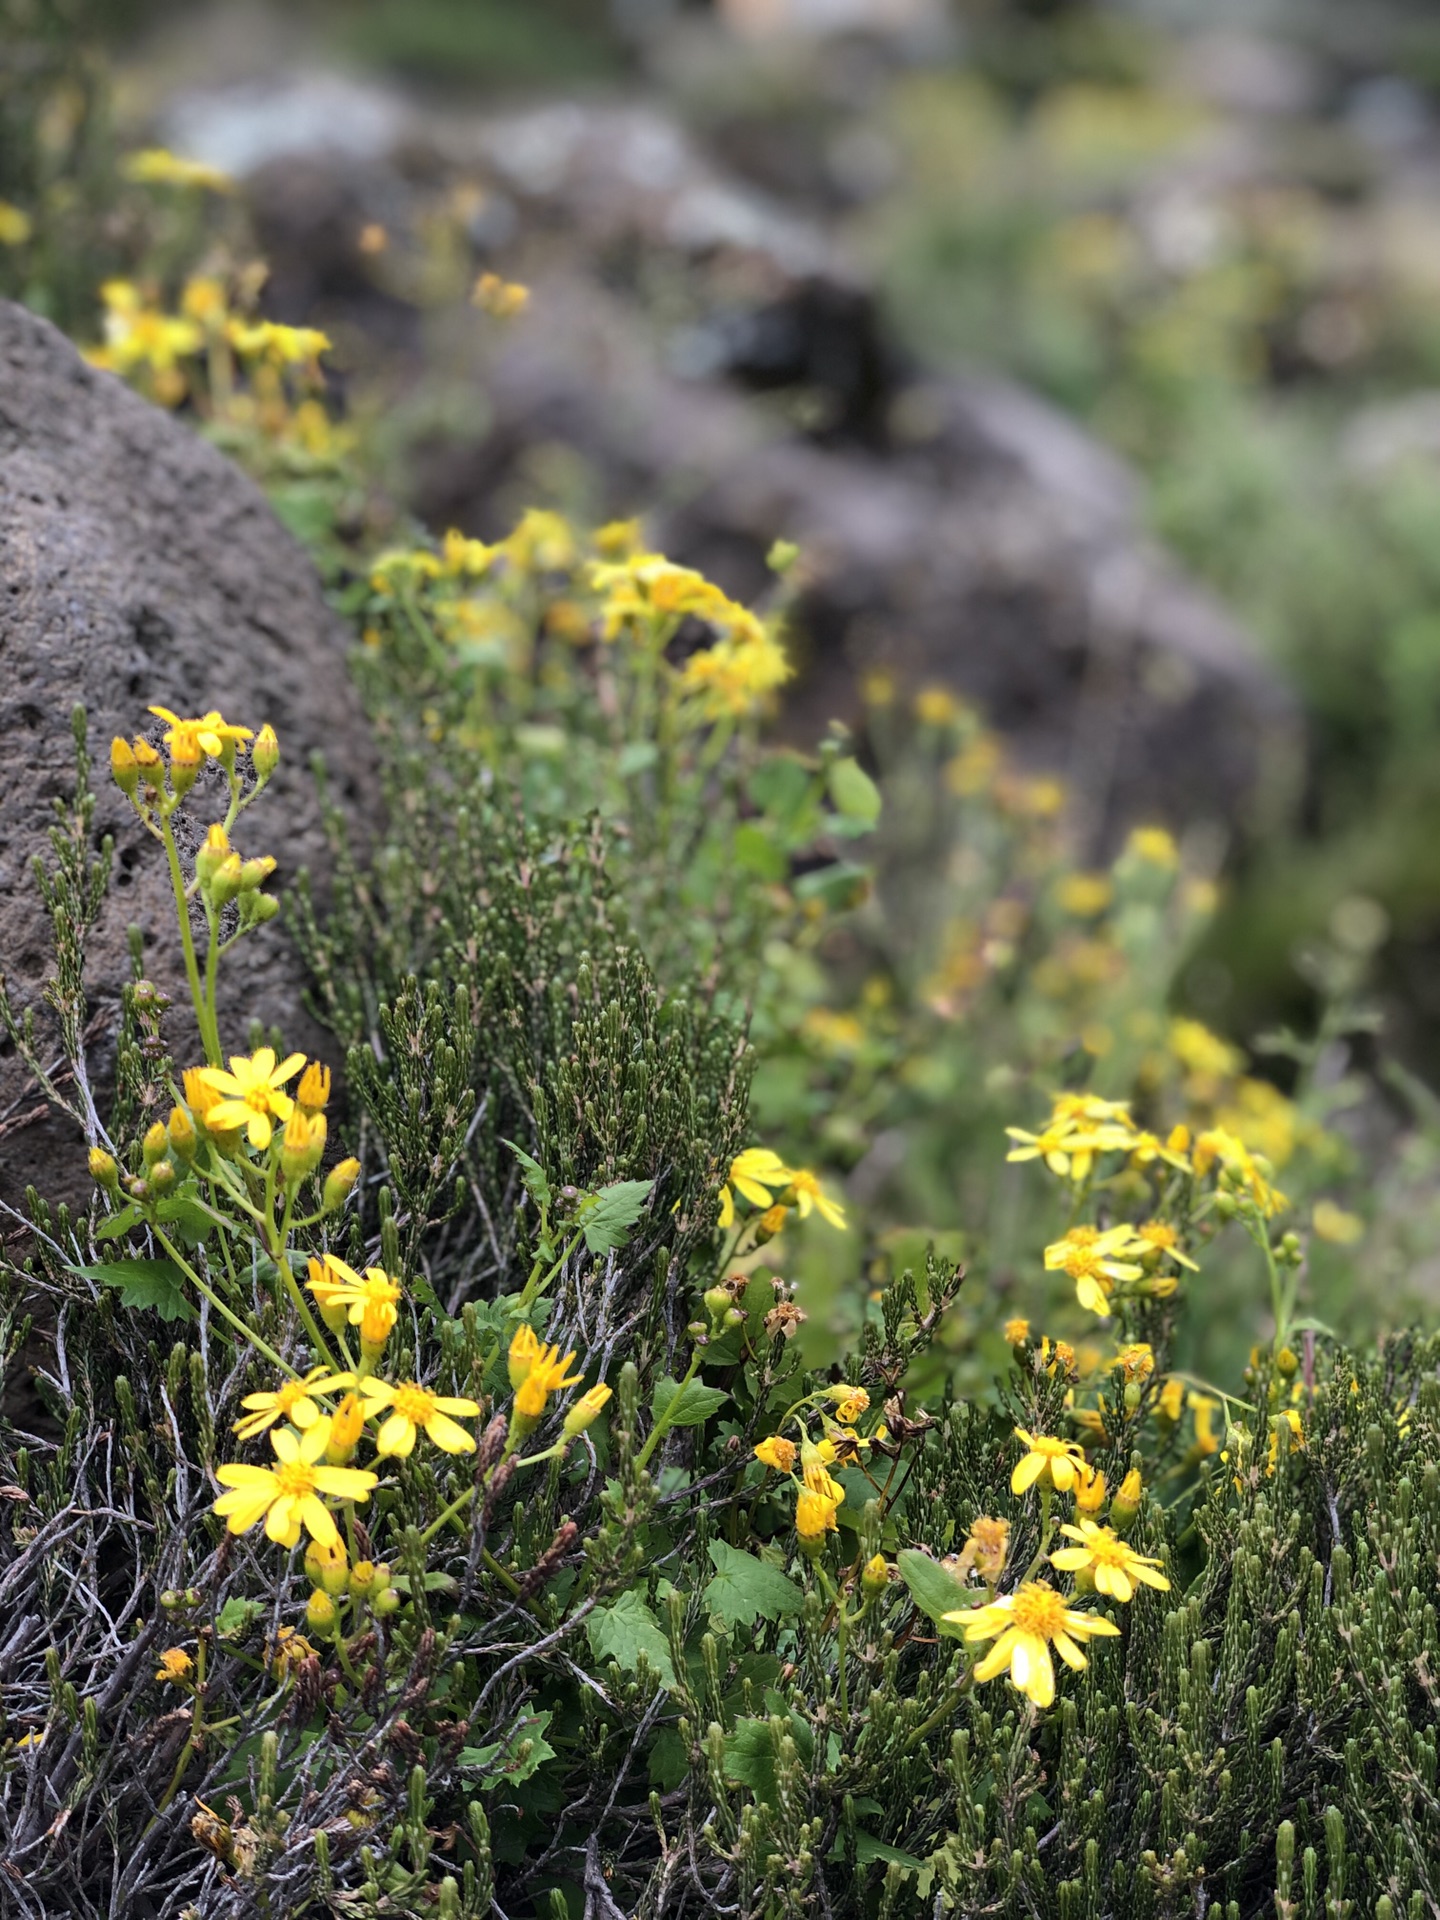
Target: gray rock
<point>138,567</point>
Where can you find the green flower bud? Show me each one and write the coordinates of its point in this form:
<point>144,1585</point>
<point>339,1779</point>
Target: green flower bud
<point>156,1143</point>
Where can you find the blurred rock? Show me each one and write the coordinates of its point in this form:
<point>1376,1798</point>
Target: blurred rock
<point>254,123</point>
<point>824,19</point>
<point>138,567</point>
<point>1392,433</point>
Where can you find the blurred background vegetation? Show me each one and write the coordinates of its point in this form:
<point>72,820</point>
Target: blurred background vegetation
<point>1210,237</point>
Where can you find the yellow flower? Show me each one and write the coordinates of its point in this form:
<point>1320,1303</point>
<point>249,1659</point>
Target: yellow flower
<point>1091,1259</point>
<point>1203,1407</point>
<point>1024,1626</point>
<point>345,1430</point>
<point>211,734</point>
<point>291,1402</point>
<point>1172,1398</point>
<point>777,1452</point>
<point>15,225</point>
<point>1115,1568</point>
<point>370,1304</point>
<point>936,706</point>
<point>1090,1494</point>
<point>287,1496</point>
<point>1085,894</point>
<point>313,1092</point>
<point>302,1145</point>
<point>1128,1495</point>
<point>736,673</point>
<point>176,1666</point>
<point>1015,1332</point>
<point>815,1516</point>
<point>525,1349</point>
<point>1160,1237</point>
<point>586,1411</point>
<point>548,1374</point>
<point>1289,1424</point>
<point>1051,1462</point>
<point>502,299</point>
<point>1174,1150</point>
<point>1334,1224</point>
<point>157,166</point>
<point>287,1652</point>
<point>753,1174</point>
<point>1155,846</point>
<point>808,1195</point>
<point>1136,1361</point>
<point>251,1093</point>
<point>985,1549</point>
<point>416,1409</point>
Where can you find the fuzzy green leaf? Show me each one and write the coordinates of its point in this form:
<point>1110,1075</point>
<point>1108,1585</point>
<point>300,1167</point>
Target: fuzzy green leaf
<point>935,1591</point>
<point>533,1174</point>
<point>745,1589</point>
<point>608,1215</point>
<point>626,1629</point>
<point>694,1409</point>
<point>855,794</point>
<point>145,1283</point>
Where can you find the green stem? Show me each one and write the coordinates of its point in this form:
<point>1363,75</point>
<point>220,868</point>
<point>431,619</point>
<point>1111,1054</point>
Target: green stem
<point>209,1039</point>
<point>663,1424</point>
<point>219,1305</point>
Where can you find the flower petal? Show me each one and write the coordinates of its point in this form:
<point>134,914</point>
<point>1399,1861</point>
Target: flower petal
<point>447,1436</point>
<point>281,1521</point>
<point>1027,1472</point>
<point>286,1445</point>
<point>319,1521</point>
<point>397,1437</point>
<point>236,1474</point>
<point>346,1483</point>
<point>260,1131</point>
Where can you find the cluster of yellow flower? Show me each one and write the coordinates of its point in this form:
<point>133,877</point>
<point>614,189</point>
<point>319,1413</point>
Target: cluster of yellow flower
<point>818,1495</point>
<point>1026,1623</point>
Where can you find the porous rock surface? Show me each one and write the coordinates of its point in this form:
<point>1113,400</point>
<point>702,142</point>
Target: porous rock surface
<point>139,567</point>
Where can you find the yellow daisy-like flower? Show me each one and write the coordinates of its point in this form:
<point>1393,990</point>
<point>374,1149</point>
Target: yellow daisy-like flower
<point>1158,1236</point>
<point>1015,1332</point>
<point>1115,1568</point>
<point>1203,1406</point>
<point>211,734</point>
<point>754,1174</point>
<point>1174,1150</point>
<point>1025,1625</point>
<point>810,1196</point>
<point>1092,1260</point>
<point>815,1515</point>
<point>371,1303</point>
<point>416,1410</point>
<point>251,1094</point>
<point>777,1452</point>
<point>548,1374</point>
<point>1051,1462</point>
<point>287,1496</point>
<point>292,1402</point>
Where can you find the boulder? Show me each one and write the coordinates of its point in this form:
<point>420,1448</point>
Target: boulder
<point>139,567</point>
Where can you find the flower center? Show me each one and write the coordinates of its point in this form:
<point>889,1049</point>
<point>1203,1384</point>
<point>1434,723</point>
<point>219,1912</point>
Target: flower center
<point>1083,1263</point>
<point>290,1395</point>
<point>295,1478</point>
<point>258,1098</point>
<point>414,1404</point>
<point>1158,1234</point>
<point>1107,1550</point>
<point>1039,1610</point>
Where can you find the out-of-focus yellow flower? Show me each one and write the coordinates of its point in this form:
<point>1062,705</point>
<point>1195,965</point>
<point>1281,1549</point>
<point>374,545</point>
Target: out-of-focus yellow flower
<point>1170,1401</point>
<point>287,1496</point>
<point>1287,1423</point>
<point>1155,846</point>
<point>837,1033</point>
<point>157,166</point>
<point>502,299</point>
<point>756,1175</point>
<point>16,225</point>
<point>1015,1332</point>
<point>737,673</point>
<point>1093,1261</point>
<point>1204,1407</point>
<point>1025,1625</point>
<point>936,706</point>
<point>1085,894</point>
<point>1115,1568</point>
<point>1334,1224</point>
<point>985,1549</point>
<point>414,1409</point>
<point>1048,1462</point>
<point>809,1195</point>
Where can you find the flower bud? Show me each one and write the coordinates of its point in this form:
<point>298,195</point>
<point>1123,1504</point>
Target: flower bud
<point>301,1145</point>
<point>103,1169</point>
<point>718,1301</point>
<point>156,1143</point>
<point>183,1138</point>
<point>345,1430</point>
<point>362,1578</point>
<point>386,1603</point>
<point>1226,1205</point>
<point>1286,1364</point>
<point>124,766</point>
<point>875,1575</point>
<point>162,1177</point>
<point>769,1224</point>
<point>254,873</point>
<point>264,754</point>
<point>186,760</point>
<point>1126,1504</point>
<point>257,908</point>
<point>586,1410</point>
<point>1090,1492</point>
<point>326,1567</point>
<point>214,850</point>
<point>322,1615</point>
<point>338,1183</point>
<point>172,1600</point>
<point>152,767</point>
<point>224,882</point>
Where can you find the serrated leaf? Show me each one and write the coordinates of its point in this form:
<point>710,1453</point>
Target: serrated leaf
<point>868,1850</point>
<point>750,1750</point>
<point>607,1216</point>
<point>236,1614</point>
<point>532,1173</point>
<point>935,1590</point>
<point>745,1589</point>
<point>854,793</point>
<point>119,1224</point>
<point>626,1629</point>
<point>157,1285</point>
<point>694,1409</point>
<point>502,1762</point>
<point>188,1215</point>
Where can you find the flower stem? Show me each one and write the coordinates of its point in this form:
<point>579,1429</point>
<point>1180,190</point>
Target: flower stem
<point>209,1038</point>
<point>219,1305</point>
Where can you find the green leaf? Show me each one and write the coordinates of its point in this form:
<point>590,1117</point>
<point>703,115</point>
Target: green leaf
<point>638,757</point>
<point>193,1220</point>
<point>855,794</point>
<point>119,1224</point>
<point>745,1589</point>
<point>607,1216</point>
<point>750,1750</point>
<point>502,1760</point>
<point>145,1283</point>
<point>533,1174</point>
<point>755,852</point>
<point>935,1591</point>
<point>669,1760</point>
<point>235,1616</point>
<point>623,1631</point>
<point>868,1850</point>
<point>696,1407</point>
